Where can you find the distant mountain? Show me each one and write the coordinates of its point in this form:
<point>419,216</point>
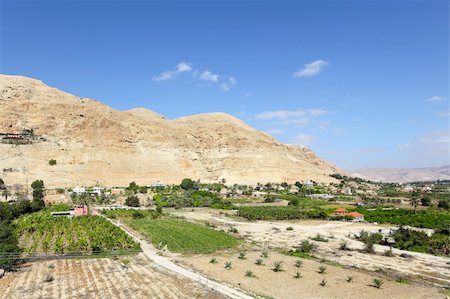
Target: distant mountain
<point>96,144</point>
<point>404,175</point>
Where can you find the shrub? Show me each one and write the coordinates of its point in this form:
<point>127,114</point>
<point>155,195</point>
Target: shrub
<point>323,282</point>
<point>306,247</point>
<point>289,228</point>
<point>278,266</point>
<point>138,215</point>
<point>368,248</point>
<point>297,275</point>
<point>264,254</point>
<point>228,265</point>
<point>233,230</point>
<point>52,162</point>
<point>132,201</point>
<point>298,263</point>
<point>388,252</point>
<point>349,278</point>
<point>319,238</point>
<point>444,203</point>
<point>377,283</point>
<point>213,260</point>
<point>249,274</point>
<point>242,255</point>
<point>402,279</point>
<point>322,269</point>
<point>343,245</point>
<point>259,262</point>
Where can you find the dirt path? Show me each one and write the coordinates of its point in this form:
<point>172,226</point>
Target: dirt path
<point>168,264</point>
<point>274,234</point>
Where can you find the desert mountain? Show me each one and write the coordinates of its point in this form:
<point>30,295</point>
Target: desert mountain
<point>404,175</point>
<point>96,144</point>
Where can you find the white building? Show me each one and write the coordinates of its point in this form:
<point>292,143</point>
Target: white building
<point>159,184</point>
<point>308,184</point>
<point>79,190</point>
<point>98,190</point>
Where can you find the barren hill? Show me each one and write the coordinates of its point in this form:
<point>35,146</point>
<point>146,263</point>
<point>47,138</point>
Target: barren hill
<point>404,175</point>
<point>96,144</point>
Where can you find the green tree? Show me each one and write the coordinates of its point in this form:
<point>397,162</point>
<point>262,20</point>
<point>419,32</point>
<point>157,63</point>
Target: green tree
<point>133,187</point>
<point>187,184</point>
<point>38,190</point>
<point>132,201</point>
<point>52,162</point>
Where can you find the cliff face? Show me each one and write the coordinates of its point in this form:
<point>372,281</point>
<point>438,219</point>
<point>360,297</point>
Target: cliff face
<point>93,143</point>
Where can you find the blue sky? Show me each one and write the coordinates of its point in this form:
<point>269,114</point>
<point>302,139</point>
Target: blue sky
<point>362,83</point>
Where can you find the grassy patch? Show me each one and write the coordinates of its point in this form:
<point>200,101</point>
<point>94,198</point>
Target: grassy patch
<point>183,236</point>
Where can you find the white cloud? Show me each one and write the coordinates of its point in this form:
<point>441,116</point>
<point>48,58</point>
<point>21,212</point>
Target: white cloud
<point>227,86</point>
<point>311,69</point>
<point>164,76</point>
<point>275,131</point>
<point>436,99</point>
<point>303,139</point>
<point>247,94</point>
<point>443,114</point>
<point>285,117</point>
<point>182,67</point>
<point>209,76</point>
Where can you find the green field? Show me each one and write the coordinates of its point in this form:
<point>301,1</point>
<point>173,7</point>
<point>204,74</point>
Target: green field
<point>183,236</point>
<point>422,219</point>
<point>42,233</point>
<point>280,213</point>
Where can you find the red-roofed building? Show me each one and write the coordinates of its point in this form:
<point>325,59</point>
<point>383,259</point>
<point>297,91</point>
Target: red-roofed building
<point>83,211</point>
<point>357,217</point>
<point>340,212</point>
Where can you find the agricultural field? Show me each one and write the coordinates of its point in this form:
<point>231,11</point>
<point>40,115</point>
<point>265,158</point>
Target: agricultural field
<point>423,219</point>
<point>287,235</point>
<point>280,276</point>
<point>280,213</point>
<point>42,233</point>
<point>179,235</point>
<point>105,278</point>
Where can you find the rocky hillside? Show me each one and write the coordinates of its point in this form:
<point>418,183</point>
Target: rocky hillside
<point>96,144</point>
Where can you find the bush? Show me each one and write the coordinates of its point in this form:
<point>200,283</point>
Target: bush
<point>343,245</point>
<point>278,266</point>
<point>297,274</point>
<point>249,274</point>
<point>213,260</point>
<point>319,238</point>
<point>132,201</point>
<point>259,262</point>
<point>228,265</point>
<point>52,162</point>
<point>323,283</point>
<point>322,269</point>
<point>444,203</point>
<point>306,247</point>
<point>426,201</point>
<point>377,283</point>
<point>242,255</point>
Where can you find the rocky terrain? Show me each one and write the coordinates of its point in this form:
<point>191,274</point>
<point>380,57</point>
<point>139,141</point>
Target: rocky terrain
<point>404,175</point>
<point>96,144</point>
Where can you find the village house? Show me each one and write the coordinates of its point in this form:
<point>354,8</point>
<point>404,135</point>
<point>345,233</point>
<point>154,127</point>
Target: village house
<point>79,190</point>
<point>308,184</point>
<point>340,212</point>
<point>357,217</point>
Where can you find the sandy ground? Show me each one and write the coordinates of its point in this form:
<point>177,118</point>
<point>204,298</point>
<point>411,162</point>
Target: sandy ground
<point>97,278</point>
<point>284,285</point>
<point>274,234</point>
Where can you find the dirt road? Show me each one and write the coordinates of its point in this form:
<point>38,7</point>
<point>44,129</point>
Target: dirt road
<point>168,264</point>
